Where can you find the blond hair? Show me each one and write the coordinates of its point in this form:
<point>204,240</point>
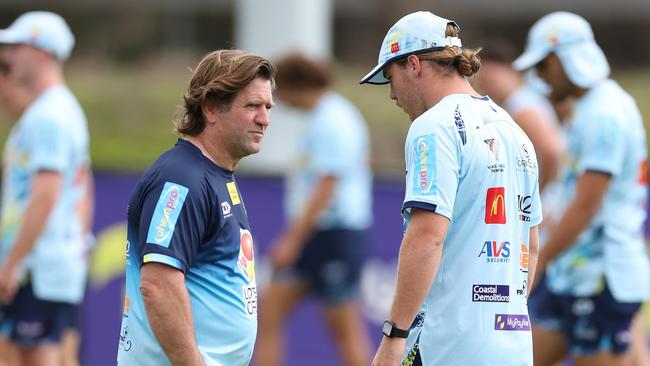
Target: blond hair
<point>464,61</point>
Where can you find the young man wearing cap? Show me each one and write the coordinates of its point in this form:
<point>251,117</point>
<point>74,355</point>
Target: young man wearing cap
<point>471,209</point>
<point>46,203</point>
<point>595,264</point>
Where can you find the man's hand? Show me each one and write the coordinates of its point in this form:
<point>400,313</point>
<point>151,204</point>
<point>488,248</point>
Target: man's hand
<point>8,283</point>
<point>390,352</point>
<point>285,251</point>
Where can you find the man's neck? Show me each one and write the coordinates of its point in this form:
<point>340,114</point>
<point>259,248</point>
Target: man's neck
<point>41,83</point>
<point>213,151</point>
<point>435,92</point>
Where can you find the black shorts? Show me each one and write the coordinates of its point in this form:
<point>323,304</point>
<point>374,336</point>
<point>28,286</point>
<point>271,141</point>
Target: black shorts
<point>30,322</point>
<point>330,264</point>
<point>590,324</point>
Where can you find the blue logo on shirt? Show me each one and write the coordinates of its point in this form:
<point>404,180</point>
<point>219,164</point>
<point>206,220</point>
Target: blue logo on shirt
<point>166,214</point>
<point>424,165</point>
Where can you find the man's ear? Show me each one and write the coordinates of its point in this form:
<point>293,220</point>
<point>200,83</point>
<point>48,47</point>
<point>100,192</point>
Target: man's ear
<point>413,63</point>
<point>210,112</point>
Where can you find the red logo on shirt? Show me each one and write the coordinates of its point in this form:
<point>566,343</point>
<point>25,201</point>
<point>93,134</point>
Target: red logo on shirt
<point>394,47</point>
<point>495,206</point>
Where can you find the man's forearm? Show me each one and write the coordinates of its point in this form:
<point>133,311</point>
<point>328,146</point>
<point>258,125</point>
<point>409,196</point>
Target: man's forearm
<point>319,200</point>
<point>43,197</point>
<point>418,264</point>
<point>417,268</point>
<point>169,312</point>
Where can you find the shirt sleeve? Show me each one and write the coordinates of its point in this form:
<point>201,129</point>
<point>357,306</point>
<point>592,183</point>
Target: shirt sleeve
<point>49,147</point>
<point>432,170</point>
<point>536,214</point>
<point>602,146</point>
<point>174,220</point>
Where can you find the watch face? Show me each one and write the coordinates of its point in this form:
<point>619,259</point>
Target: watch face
<point>386,329</point>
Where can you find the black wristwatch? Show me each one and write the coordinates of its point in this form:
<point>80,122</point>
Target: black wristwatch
<point>390,330</point>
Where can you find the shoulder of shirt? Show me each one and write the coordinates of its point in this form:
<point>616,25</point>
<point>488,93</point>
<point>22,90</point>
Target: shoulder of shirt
<point>58,107</point>
<point>177,165</point>
<point>334,111</point>
<point>607,99</point>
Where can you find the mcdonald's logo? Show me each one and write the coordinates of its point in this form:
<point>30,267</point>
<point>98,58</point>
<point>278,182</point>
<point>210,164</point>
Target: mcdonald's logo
<point>394,47</point>
<point>495,206</point>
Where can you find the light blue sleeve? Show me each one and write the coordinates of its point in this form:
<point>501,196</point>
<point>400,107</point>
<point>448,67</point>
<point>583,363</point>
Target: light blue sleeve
<point>536,214</point>
<point>49,146</point>
<point>432,170</point>
<point>602,145</point>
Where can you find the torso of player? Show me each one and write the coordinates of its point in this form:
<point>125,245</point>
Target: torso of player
<point>489,192</point>
<point>220,276</point>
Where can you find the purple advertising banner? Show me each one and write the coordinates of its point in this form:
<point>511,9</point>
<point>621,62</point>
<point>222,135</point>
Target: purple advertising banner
<point>308,340</point>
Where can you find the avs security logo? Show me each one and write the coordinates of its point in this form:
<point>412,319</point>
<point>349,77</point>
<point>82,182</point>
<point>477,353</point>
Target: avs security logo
<point>424,165</point>
<point>495,252</point>
<point>511,322</point>
<point>166,214</point>
<point>490,293</point>
<point>495,206</point>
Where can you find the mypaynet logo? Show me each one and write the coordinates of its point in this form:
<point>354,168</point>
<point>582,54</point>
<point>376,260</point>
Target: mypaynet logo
<point>511,322</point>
<point>490,293</point>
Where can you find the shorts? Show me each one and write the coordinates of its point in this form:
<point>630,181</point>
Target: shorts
<point>589,324</point>
<point>30,322</point>
<point>330,264</point>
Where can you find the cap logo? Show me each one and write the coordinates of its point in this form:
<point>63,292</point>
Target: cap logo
<point>394,47</point>
<point>553,39</point>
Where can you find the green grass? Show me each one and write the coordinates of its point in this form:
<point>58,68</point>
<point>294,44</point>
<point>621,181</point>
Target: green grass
<point>130,110</point>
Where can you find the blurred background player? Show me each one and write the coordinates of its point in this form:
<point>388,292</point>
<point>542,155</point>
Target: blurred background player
<point>191,293</point>
<point>47,198</point>
<point>595,264</point>
<point>527,106</point>
<point>328,190</point>
<point>471,208</point>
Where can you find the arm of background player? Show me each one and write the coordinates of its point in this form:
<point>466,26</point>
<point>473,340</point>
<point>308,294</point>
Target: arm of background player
<point>591,188</point>
<point>169,312</point>
<point>419,259</point>
<point>292,241</point>
<point>45,190</point>
<point>546,137</point>
<point>533,253</point>
<point>89,202</point>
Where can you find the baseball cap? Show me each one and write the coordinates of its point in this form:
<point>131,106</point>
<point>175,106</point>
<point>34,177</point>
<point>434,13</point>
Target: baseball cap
<point>570,37</point>
<point>417,32</point>
<point>41,29</point>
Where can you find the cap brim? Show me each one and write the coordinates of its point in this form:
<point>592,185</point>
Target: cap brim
<point>9,37</point>
<point>376,76</point>
<point>529,59</point>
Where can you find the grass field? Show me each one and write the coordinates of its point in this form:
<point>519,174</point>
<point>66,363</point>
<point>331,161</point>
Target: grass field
<point>130,110</point>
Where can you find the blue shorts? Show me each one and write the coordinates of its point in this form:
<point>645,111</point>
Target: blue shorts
<point>590,324</point>
<point>30,322</point>
<point>330,264</point>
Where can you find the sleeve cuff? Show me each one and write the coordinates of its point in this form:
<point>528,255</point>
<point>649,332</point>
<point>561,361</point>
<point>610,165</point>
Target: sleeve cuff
<point>164,259</point>
<point>425,206</point>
